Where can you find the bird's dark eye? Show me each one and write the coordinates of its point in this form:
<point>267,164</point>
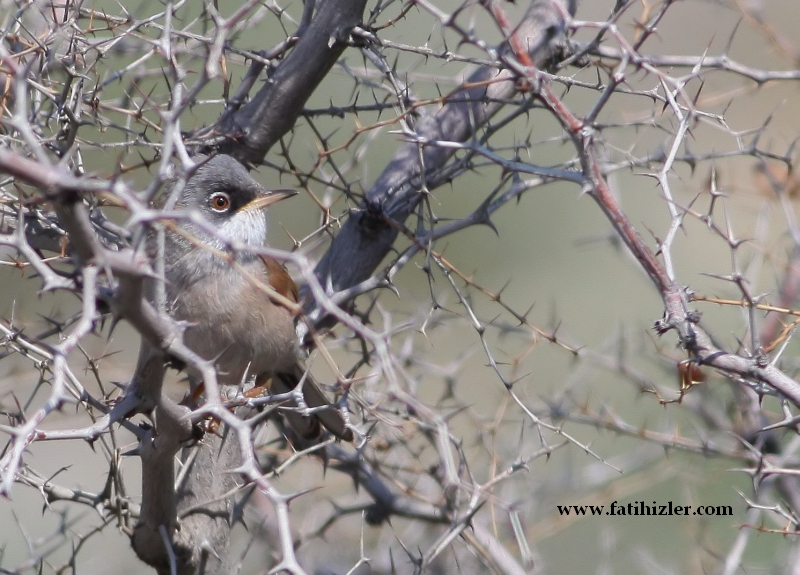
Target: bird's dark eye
<point>220,202</point>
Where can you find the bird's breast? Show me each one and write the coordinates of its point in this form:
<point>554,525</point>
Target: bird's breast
<point>232,320</point>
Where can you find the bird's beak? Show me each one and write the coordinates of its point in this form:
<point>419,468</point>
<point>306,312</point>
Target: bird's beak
<point>269,197</point>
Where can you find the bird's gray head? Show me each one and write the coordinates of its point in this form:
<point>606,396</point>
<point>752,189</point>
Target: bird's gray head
<point>232,202</point>
<point>233,206</point>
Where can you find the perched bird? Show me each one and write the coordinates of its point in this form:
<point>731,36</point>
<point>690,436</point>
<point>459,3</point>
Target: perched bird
<point>231,318</point>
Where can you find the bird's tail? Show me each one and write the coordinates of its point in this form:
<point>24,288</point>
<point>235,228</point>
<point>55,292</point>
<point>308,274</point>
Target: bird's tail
<point>309,426</point>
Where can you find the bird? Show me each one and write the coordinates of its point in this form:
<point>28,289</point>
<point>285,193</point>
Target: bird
<point>219,294</point>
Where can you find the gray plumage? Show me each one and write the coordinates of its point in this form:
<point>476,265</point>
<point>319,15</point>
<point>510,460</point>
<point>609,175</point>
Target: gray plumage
<point>223,295</point>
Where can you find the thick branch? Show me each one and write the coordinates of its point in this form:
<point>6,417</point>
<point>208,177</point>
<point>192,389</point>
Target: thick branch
<point>250,132</point>
<point>158,514</point>
<point>369,233</point>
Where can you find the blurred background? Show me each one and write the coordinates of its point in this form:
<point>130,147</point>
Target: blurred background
<point>553,253</point>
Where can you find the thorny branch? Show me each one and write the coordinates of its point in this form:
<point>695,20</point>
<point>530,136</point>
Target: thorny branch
<point>531,99</point>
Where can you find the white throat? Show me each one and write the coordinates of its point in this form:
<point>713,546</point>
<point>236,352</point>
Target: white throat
<point>248,227</point>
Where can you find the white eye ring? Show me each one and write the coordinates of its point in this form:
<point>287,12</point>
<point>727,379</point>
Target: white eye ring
<point>219,202</point>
